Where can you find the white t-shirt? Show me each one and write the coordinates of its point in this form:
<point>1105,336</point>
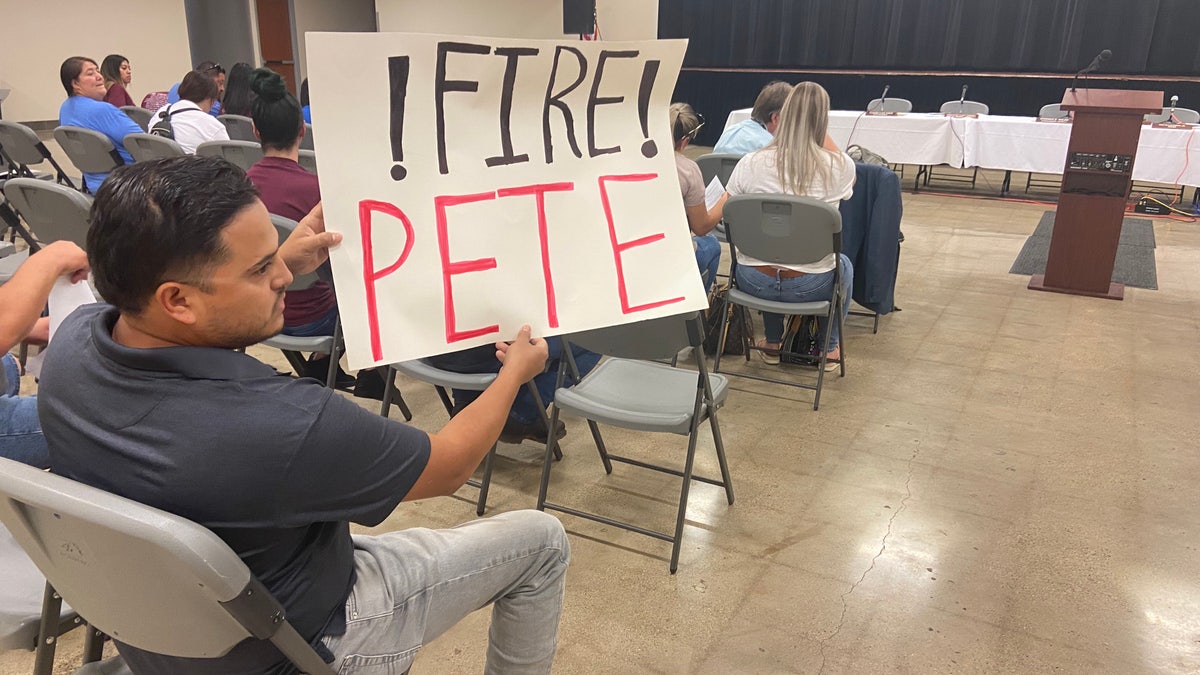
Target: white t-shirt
<point>192,126</point>
<point>756,174</point>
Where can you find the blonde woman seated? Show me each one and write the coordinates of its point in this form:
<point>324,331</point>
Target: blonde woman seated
<point>701,220</point>
<point>802,160</point>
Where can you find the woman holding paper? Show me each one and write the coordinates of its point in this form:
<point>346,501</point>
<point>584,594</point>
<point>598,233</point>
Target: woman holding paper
<point>685,123</point>
<point>802,161</point>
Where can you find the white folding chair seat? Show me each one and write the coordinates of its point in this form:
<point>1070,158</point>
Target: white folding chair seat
<point>54,212</point>
<point>239,127</point>
<point>10,263</point>
<point>90,151</point>
<point>633,391</point>
<point>139,115</point>
<point>890,105</point>
<point>22,149</point>
<point>161,583</point>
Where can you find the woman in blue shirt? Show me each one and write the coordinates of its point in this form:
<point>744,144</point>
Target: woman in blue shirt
<point>85,107</point>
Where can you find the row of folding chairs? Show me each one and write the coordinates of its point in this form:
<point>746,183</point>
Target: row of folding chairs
<point>239,127</point>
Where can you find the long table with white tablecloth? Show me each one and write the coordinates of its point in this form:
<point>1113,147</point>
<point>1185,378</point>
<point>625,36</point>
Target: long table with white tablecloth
<point>1169,156</point>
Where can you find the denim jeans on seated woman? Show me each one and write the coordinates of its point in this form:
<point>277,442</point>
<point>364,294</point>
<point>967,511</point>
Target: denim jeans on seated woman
<point>708,258</point>
<point>804,288</point>
<point>20,432</point>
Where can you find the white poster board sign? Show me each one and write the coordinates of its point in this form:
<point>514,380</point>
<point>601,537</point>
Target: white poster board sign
<point>485,183</point>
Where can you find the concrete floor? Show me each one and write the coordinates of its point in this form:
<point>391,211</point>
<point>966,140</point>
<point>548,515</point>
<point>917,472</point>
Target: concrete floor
<point>1005,481</point>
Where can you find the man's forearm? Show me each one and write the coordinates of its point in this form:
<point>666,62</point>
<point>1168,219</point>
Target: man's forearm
<point>23,298</point>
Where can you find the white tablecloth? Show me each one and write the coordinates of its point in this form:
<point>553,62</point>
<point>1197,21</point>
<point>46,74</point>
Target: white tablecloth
<point>1169,156</point>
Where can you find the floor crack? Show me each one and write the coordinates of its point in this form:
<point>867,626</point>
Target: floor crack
<point>882,547</point>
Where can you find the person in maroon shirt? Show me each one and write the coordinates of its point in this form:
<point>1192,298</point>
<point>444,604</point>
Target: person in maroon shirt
<point>117,75</point>
<point>288,190</point>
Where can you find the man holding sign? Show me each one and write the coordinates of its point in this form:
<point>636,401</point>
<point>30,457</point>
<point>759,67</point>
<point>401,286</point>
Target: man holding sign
<point>149,399</point>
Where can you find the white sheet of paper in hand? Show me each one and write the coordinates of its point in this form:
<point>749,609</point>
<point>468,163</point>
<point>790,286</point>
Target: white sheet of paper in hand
<point>65,297</point>
<point>713,192</point>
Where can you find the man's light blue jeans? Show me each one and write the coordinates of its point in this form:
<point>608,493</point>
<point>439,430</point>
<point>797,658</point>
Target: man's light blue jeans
<point>20,432</point>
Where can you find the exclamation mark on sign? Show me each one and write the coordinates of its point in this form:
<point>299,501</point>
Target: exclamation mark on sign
<point>398,83</point>
<point>649,73</point>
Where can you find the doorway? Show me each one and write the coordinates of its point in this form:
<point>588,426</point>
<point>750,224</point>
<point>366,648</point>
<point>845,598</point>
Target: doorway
<point>275,39</point>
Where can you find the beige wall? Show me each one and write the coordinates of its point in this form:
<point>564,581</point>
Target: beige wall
<point>36,37</point>
<point>619,19</point>
<point>324,15</point>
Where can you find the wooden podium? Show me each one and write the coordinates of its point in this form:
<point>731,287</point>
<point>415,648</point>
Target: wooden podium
<point>1095,187</point>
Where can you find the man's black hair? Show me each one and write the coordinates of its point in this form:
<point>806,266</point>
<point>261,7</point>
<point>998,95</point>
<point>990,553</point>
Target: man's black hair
<point>161,221</point>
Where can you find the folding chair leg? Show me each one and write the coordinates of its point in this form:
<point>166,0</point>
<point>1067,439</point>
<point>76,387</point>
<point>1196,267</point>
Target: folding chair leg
<point>541,407</point>
<point>600,447</point>
<point>486,483</point>
<point>724,463</point>
<point>551,445</point>
<point>48,632</point>
<point>385,406</point>
<point>93,644</point>
<point>677,543</point>
<point>446,402</point>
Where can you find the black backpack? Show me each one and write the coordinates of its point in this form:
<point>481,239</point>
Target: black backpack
<point>163,126</point>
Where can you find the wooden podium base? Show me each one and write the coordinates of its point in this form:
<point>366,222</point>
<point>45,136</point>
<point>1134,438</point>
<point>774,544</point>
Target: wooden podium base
<point>1115,291</point>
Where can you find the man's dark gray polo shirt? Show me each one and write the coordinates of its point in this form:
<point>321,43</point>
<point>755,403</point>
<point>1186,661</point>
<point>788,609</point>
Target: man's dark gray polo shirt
<point>276,467</point>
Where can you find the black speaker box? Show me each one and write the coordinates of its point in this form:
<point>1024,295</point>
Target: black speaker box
<point>579,17</point>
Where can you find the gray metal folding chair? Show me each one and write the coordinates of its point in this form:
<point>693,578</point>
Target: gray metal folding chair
<point>1053,111</point>
<point>1181,115</point>
<point>964,107</point>
<point>308,160</point>
<point>889,105</point>
<point>239,127</point>
<point>53,212</point>
<point>306,143</point>
<point>32,614</point>
<point>139,115</point>
<point>22,149</point>
<point>160,582</point>
<point>442,381</point>
<point>243,154</point>
<point>955,176</point>
<point>718,165</point>
<point>147,147</point>
<point>634,391</point>
<point>786,230</point>
<point>90,151</point>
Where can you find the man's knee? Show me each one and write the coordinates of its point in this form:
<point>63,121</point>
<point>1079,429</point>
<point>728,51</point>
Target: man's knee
<point>540,529</point>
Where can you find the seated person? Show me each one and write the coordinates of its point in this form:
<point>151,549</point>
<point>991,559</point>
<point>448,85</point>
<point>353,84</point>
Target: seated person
<point>685,123</point>
<point>189,123</point>
<point>213,70</point>
<point>117,76</point>
<point>149,398</point>
<point>85,107</point>
<point>756,132</point>
<point>22,299</point>
<point>289,190</point>
<point>796,164</point>
<point>524,419</point>
<point>304,107</point>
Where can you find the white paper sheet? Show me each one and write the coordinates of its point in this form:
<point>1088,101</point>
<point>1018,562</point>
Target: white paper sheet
<point>65,297</point>
<point>712,193</point>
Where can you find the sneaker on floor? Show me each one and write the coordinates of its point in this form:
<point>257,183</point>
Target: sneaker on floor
<point>369,384</point>
<point>515,432</point>
<point>768,356</point>
<point>318,370</point>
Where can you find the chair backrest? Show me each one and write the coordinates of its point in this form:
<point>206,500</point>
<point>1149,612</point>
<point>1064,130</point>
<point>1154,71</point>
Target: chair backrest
<point>20,595</point>
<point>146,147</point>
<point>1053,111</point>
<point>241,153</point>
<point>54,212</point>
<point>1184,115</point>
<point>89,150</point>
<point>148,578</point>
<point>964,108</point>
<point>308,160</point>
<point>306,143</point>
<point>284,228</point>
<point>660,338</point>
<point>719,165</point>
<point>21,144</point>
<point>239,127</point>
<point>139,115</point>
<point>783,229</point>
<point>890,105</point>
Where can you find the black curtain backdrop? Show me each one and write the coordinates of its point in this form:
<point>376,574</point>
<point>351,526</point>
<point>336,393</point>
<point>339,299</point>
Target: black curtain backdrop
<point>1160,37</point>
<point>927,49</point>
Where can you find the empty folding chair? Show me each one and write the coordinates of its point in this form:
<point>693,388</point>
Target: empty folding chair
<point>32,615</point>
<point>889,105</point>
<point>442,381</point>
<point>153,580</point>
<point>239,127</point>
<point>139,115</point>
<point>963,107</point>
<point>1177,115</point>
<point>308,160</point>
<point>1053,111</point>
<point>147,147</point>
<point>306,143</point>
<point>22,148</point>
<point>243,154</point>
<point>53,212</point>
<point>634,391</point>
<point>786,230</point>
<point>90,151</point>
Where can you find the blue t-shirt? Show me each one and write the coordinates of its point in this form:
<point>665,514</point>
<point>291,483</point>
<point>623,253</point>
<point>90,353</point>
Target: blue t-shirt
<point>307,114</point>
<point>743,138</point>
<point>173,97</point>
<point>81,111</point>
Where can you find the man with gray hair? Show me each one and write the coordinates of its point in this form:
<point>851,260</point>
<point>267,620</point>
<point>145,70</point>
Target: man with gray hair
<point>755,133</point>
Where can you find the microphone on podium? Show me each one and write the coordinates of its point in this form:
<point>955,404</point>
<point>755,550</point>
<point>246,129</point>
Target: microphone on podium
<point>882,99</point>
<point>963,97</point>
<point>1100,58</point>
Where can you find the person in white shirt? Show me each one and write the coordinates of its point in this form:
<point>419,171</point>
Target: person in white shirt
<point>802,160</point>
<point>190,121</point>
